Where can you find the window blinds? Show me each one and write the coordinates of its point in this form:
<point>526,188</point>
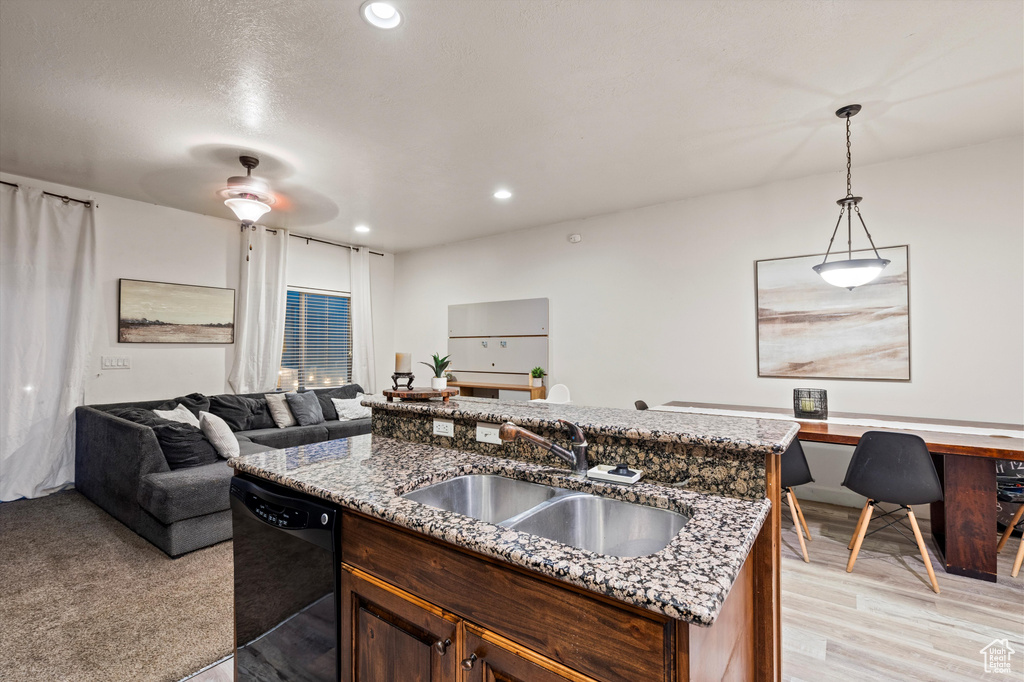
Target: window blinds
<point>317,341</point>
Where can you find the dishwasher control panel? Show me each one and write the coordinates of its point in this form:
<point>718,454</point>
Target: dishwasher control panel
<point>277,515</point>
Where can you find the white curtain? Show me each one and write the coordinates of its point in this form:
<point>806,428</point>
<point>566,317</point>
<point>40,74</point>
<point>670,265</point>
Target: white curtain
<point>363,367</point>
<point>262,292</point>
<point>47,280</point>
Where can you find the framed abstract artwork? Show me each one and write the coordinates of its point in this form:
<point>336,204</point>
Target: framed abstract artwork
<point>809,329</point>
<point>158,312</point>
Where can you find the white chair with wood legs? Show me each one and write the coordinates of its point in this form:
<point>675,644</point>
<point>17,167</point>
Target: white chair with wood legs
<point>892,468</point>
<point>795,472</point>
<point>1006,536</point>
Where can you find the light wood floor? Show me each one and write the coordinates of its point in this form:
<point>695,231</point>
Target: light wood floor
<point>881,622</point>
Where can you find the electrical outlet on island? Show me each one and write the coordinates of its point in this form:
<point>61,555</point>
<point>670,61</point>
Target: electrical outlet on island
<point>444,427</point>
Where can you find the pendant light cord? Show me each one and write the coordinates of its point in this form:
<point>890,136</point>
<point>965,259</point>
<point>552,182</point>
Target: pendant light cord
<point>854,206</point>
<point>849,172</point>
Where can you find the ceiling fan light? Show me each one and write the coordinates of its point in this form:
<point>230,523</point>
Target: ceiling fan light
<point>247,210</point>
<point>851,273</point>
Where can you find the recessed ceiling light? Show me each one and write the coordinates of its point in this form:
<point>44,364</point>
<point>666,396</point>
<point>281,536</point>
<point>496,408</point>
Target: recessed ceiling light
<point>362,228</point>
<point>503,194</point>
<point>380,14</point>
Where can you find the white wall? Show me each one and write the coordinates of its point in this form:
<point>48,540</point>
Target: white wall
<point>657,303</point>
<point>137,240</point>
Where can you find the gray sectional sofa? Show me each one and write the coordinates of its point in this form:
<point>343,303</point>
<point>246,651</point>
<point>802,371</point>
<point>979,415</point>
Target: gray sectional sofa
<point>120,463</point>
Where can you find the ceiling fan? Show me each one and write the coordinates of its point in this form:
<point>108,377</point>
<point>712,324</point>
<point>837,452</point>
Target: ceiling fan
<point>248,197</point>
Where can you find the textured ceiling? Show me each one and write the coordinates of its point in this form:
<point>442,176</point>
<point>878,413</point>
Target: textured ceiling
<point>580,107</point>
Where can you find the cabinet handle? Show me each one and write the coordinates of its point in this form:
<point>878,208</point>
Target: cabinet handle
<point>467,663</point>
<point>442,647</point>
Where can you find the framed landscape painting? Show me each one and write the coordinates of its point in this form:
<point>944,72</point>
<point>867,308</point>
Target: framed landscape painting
<point>157,312</point>
<point>807,328</point>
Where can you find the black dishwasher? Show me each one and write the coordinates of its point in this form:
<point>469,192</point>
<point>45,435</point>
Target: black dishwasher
<point>286,573</point>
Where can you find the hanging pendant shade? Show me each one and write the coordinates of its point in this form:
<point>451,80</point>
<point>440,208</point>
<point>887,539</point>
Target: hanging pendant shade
<point>851,272</point>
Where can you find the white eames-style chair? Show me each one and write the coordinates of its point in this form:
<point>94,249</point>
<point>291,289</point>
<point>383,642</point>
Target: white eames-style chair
<point>559,393</point>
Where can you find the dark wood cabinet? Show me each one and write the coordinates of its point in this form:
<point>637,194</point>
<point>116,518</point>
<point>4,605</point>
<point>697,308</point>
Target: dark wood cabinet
<point>492,658</point>
<point>387,636</point>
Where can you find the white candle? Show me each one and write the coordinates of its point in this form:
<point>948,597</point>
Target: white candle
<point>403,363</point>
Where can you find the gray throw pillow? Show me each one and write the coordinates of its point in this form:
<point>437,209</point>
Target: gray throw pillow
<point>325,395</point>
<point>305,407</point>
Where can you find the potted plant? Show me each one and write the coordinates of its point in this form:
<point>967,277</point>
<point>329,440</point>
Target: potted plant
<point>537,376</point>
<point>438,366</point>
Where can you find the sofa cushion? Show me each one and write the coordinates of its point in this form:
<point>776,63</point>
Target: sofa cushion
<point>241,412</point>
<point>289,437</point>
<point>344,429</point>
<point>324,395</point>
<point>184,446</point>
<point>171,496</point>
<point>247,447</point>
<point>195,402</point>
<point>305,407</point>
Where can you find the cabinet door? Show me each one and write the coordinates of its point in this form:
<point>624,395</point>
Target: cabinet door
<point>388,635</point>
<point>492,658</point>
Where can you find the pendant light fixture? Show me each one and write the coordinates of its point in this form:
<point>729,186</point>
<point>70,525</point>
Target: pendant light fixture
<point>852,272</point>
<point>247,196</point>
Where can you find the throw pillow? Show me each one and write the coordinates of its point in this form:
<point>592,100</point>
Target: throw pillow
<point>261,418</point>
<point>195,402</point>
<point>351,409</point>
<point>325,395</point>
<point>238,411</point>
<point>178,414</point>
<point>219,433</point>
<point>305,407</point>
<point>278,405</point>
<point>184,446</point>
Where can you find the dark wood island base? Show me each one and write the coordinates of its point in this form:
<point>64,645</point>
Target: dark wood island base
<point>416,608</point>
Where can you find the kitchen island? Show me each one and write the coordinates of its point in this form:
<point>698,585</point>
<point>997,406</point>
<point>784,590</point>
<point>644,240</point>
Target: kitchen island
<point>731,456</point>
<point>437,592</point>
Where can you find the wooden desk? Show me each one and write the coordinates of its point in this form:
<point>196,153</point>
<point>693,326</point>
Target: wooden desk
<point>536,392</point>
<point>964,523</point>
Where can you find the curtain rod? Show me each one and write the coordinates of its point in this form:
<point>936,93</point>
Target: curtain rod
<point>63,197</point>
<point>320,241</point>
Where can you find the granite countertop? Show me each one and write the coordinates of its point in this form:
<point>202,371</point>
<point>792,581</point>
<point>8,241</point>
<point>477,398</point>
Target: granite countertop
<point>688,580</point>
<point>737,433</point>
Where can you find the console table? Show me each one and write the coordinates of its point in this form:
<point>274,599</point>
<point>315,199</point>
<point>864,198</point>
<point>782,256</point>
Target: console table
<point>467,387</point>
<point>964,523</point>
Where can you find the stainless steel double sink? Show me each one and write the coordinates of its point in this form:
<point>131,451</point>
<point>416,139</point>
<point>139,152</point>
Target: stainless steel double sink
<point>599,524</point>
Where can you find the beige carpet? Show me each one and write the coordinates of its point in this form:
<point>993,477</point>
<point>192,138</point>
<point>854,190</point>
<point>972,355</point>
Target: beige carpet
<point>84,598</point>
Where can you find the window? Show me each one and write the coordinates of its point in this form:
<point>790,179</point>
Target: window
<point>317,340</point>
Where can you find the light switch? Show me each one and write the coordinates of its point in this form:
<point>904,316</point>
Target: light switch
<point>487,433</point>
<point>115,362</point>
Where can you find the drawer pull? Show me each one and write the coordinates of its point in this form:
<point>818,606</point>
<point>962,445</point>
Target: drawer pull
<point>467,663</point>
<point>442,647</point>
